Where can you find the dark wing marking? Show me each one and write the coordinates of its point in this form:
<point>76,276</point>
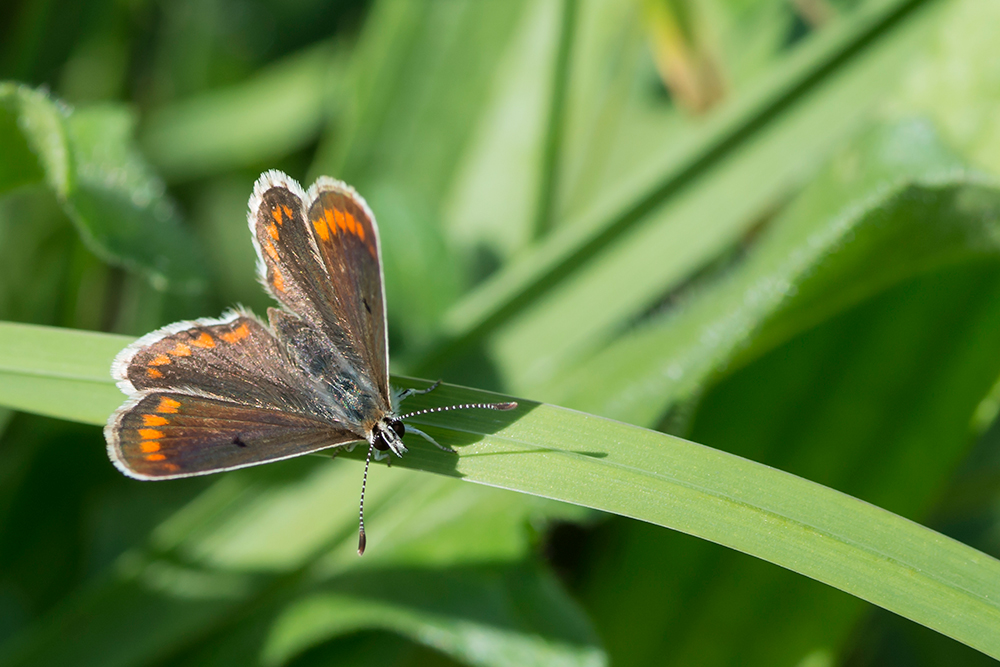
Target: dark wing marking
<point>166,435</point>
<point>330,277</point>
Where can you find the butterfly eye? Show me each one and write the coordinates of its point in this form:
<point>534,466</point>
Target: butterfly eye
<point>398,427</point>
<point>380,443</point>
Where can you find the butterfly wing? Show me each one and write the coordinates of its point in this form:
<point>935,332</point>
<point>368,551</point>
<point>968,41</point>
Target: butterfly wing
<point>167,435</point>
<point>214,395</point>
<point>319,256</point>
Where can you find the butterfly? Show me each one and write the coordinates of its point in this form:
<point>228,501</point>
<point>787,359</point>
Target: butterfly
<point>212,395</point>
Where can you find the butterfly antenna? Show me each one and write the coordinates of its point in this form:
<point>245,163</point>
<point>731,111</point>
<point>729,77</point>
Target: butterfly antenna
<point>361,508</point>
<point>464,406</point>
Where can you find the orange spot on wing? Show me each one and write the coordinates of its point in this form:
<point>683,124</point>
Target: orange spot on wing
<point>171,467</point>
<point>237,334</point>
<point>272,229</point>
<point>361,230</point>
<point>153,373</point>
<point>168,405</point>
<point>160,360</point>
<point>321,229</point>
<point>181,350</point>
<point>276,214</point>
<point>288,211</point>
<point>153,420</point>
<point>277,280</point>
<point>350,223</point>
<point>150,434</point>
<point>331,221</point>
<point>338,215</point>
<point>155,457</point>
<point>203,341</point>
<point>149,446</point>
<point>271,252</point>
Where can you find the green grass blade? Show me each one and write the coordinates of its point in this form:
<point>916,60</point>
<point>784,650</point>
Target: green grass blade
<point>51,372</point>
<point>840,244</point>
<point>549,179</point>
<point>503,619</point>
<point>593,462</point>
<point>789,521</point>
<point>267,117</point>
<point>520,283</point>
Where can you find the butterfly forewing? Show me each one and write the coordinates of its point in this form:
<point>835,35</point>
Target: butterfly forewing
<point>320,260</point>
<point>347,237</point>
<point>163,435</point>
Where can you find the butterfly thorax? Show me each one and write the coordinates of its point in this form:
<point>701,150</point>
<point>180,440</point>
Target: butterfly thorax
<point>341,392</point>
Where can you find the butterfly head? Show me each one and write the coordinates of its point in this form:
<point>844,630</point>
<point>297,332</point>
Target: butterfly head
<point>388,435</point>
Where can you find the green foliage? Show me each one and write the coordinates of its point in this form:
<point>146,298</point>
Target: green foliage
<point>88,163</point>
<point>803,277</point>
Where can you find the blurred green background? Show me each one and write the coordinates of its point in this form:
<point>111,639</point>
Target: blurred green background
<point>768,226</point>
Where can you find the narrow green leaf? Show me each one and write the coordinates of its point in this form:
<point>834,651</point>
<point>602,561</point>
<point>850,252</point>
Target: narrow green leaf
<point>418,78</point>
<point>867,224</point>
<point>550,171</point>
<point>816,106</point>
<point>586,460</point>
<point>267,117</point>
<point>45,372</point>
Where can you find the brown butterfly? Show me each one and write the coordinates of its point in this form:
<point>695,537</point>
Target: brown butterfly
<point>212,395</point>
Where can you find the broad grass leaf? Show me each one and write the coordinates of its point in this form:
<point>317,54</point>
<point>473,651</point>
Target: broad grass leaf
<point>689,203</point>
<point>45,372</point>
<point>485,615</point>
<point>955,82</point>
<point>104,186</point>
<point>875,402</point>
<point>278,111</point>
<point>593,462</point>
<point>864,376</point>
<point>861,227</point>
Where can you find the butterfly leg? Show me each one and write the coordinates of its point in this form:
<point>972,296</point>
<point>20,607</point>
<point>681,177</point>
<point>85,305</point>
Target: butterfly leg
<point>430,439</point>
<point>406,393</point>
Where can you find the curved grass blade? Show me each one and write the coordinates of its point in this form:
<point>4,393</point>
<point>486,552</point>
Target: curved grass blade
<point>607,465</point>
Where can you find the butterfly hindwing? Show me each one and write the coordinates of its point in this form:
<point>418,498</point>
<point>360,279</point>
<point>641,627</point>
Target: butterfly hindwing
<point>212,395</point>
<point>164,435</point>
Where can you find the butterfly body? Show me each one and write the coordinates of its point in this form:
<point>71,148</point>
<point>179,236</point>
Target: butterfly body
<point>212,395</point>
